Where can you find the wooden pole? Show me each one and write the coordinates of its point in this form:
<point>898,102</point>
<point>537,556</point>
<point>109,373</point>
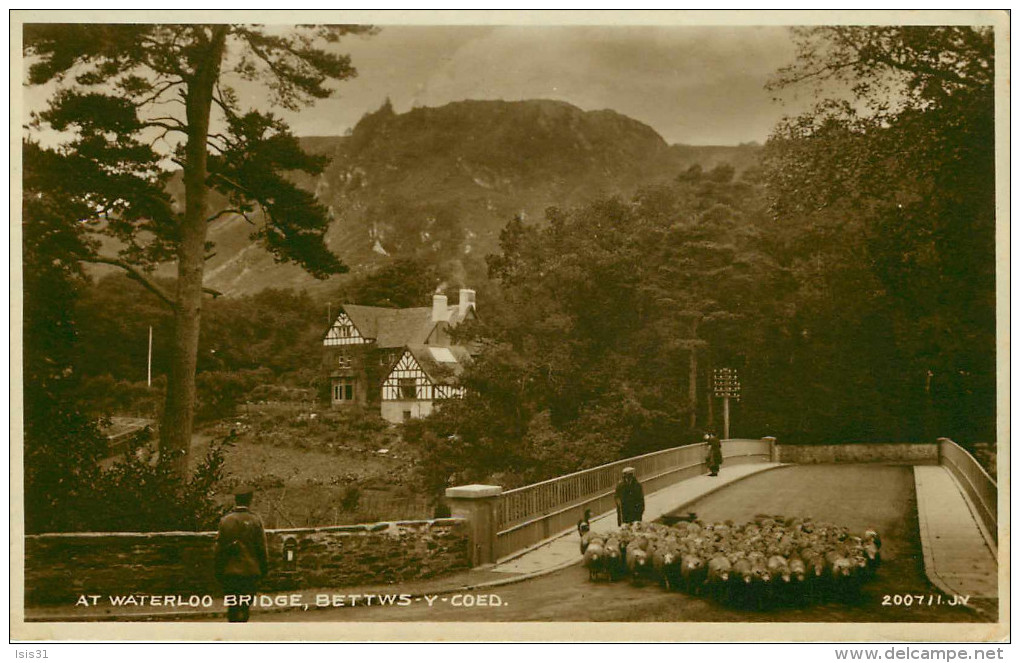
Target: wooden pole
<point>711,406</point>
<point>692,387</point>
<point>150,356</point>
<point>726,417</point>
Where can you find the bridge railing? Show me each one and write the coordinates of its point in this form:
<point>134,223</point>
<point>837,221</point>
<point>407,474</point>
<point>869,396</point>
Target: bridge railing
<point>981,488</point>
<point>528,515</point>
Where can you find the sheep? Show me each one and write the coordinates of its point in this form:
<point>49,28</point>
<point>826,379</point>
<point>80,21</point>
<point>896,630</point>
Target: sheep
<point>718,576</point>
<point>771,558</point>
<point>692,573</point>
<point>666,561</point>
<point>614,558</point>
<point>638,563</point>
<point>778,567</point>
<point>742,571</point>
<point>798,570</point>
<point>595,559</point>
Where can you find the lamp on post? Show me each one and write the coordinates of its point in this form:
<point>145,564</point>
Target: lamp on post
<point>726,385</point>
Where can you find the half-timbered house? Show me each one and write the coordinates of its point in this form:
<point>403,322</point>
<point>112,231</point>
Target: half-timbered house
<point>423,376</point>
<point>365,345</point>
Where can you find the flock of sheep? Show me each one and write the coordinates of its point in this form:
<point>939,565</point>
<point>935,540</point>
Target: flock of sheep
<point>768,560</point>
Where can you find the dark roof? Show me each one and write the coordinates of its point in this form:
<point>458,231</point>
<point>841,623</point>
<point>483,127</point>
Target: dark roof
<point>366,318</point>
<point>404,326</point>
<point>396,327</point>
<point>391,327</point>
<point>440,372</point>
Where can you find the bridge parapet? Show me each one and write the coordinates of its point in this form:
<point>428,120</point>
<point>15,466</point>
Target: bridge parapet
<point>981,488</point>
<point>525,516</point>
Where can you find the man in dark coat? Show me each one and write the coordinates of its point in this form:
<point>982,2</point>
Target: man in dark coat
<point>714,456</point>
<point>630,498</point>
<point>241,558</point>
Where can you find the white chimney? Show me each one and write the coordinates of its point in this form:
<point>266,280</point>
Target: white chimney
<point>467,300</point>
<point>440,311</point>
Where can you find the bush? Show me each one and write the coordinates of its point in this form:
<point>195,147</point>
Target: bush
<point>283,393</point>
<point>220,392</point>
<point>350,498</point>
<point>139,495</point>
<point>106,396</point>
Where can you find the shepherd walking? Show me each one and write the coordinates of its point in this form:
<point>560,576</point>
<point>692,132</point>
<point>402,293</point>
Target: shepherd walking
<point>630,498</point>
<point>241,558</point>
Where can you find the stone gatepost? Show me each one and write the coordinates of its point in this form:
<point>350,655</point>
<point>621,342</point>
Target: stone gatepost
<point>773,448</point>
<point>477,505</point>
<point>939,443</point>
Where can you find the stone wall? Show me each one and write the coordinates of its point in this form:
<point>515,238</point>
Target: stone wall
<point>914,454</point>
<point>61,567</point>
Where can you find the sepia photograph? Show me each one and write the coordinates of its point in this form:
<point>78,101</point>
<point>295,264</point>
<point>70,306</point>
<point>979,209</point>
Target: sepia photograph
<point>510,326</point>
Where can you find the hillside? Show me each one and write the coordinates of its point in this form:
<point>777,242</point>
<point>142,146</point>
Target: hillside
<point>443,181</point>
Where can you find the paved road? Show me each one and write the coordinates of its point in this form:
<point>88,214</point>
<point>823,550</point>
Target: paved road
<point>857,496</point>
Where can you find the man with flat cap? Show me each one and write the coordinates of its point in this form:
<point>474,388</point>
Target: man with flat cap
<point>630,498</point>
<point>241,558</point>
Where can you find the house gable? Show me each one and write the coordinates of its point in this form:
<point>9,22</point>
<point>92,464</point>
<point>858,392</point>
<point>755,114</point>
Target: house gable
<point>343,332</point>
<point>408,380</point>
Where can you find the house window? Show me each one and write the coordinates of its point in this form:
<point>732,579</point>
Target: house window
<point>407,388</point>
<point>343,390</point>
<point>343,361</point>
<point>407,415</point>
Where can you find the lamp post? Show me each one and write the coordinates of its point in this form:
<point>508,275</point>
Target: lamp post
<point>726,385</point>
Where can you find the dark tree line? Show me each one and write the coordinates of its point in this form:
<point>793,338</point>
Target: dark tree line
<point>850,280</point>
<point>609,313</point>
<point>885,213</point>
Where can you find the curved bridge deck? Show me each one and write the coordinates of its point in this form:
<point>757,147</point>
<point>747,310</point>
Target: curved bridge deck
<point>925,523</point>
<point>859,496</point>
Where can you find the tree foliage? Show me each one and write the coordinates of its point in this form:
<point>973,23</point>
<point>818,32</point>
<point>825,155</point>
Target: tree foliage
<point>66,486</point>
<point>62,444</point>
<point>885,205</point>
<point>402,283</point>
<point>131,97</point>
<point>588,356</point>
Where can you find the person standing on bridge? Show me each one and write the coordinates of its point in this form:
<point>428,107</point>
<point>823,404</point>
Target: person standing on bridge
<point>714,456</point>
<point>630,498</point>
<point>240,558</point>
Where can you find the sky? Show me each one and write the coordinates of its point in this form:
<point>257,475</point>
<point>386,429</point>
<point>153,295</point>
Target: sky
<point>696,85</point>
<point>700,85</point>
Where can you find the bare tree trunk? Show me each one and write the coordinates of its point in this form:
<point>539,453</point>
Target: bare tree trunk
<point>179,412</point>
